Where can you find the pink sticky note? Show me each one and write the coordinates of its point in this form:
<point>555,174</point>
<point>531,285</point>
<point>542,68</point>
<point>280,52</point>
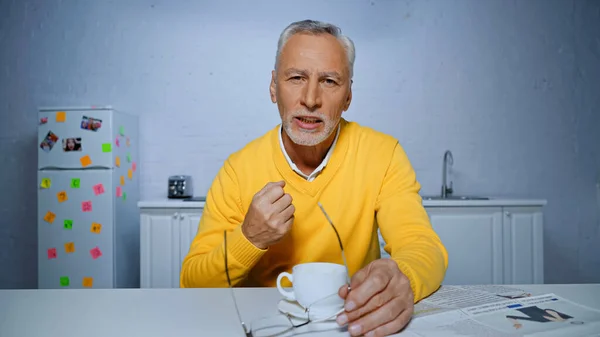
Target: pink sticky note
<point>86,206</point>
<point>95,252</point>
<point>119,191</point>
<point>98,189</point>
<point>117,142</point>
<point>133,166</point>
<point>51,253</point>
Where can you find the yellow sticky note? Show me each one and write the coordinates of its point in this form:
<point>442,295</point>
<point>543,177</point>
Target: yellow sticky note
<point>96,228</point>
<point>122,180</point>
<point>85,161</point>
<point>61,116</point>
<point>46,183</point>
<point>88,282</point>
<point>62,196</point>
<point>49,217</point>
<point>129,174</point>
<point>118,161</point>
<point>69,247</point>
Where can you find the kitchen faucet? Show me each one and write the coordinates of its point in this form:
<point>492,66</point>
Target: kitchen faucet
<point>448,159</point>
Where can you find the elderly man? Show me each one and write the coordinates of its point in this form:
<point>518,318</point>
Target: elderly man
<point>266,195</point>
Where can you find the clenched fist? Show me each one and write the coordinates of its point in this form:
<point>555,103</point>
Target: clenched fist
<point>270,216</point>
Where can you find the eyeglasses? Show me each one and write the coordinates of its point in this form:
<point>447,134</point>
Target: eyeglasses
<point>275,325</point>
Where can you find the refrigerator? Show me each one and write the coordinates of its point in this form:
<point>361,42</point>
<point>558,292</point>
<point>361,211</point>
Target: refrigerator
<point>88,189</point>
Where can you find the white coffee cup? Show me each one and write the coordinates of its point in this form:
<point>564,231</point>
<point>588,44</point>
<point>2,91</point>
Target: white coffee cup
<point>313,282</point>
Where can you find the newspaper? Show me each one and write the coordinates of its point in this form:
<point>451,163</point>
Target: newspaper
<point>499,311</point>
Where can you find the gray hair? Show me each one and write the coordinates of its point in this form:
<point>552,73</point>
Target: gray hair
<point>317,28</point>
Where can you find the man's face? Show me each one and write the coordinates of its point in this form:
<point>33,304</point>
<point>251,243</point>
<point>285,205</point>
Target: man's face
<point>311,87</point>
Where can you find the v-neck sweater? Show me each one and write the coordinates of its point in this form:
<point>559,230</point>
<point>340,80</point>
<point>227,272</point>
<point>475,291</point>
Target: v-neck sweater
<point>367,184</point>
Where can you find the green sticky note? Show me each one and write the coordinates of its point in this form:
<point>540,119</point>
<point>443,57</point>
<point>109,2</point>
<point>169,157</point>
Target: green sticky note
<point>121,131</point>
<point>64,281</point>
<point>68,224</point>
<point>75,183</point>
<point>128,158</point>
<point>106,147</point>
<point>124,196</point>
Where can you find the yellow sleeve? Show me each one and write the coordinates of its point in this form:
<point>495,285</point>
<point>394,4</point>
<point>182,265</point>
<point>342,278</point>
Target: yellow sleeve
<point>204,265</point>
<point>406,229</point>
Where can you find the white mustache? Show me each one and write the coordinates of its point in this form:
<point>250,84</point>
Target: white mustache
<point>309,114</point>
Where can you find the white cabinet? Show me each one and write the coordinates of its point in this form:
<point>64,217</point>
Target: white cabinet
<point>491,244</point>
<point>167,230</point>
<point>473,239</point>
<point>523,235</point>
<point>488,241</point>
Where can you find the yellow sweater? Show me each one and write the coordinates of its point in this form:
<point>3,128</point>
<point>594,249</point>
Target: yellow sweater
<point>368,182</point>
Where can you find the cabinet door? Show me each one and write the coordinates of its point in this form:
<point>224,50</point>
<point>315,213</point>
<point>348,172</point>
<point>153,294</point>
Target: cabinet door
<point>159,248</point>
<point>523,245</point>
<point>473,239</point>
<point>189,222</point>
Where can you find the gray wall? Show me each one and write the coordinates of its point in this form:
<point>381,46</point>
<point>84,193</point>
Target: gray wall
<point>511,87</point>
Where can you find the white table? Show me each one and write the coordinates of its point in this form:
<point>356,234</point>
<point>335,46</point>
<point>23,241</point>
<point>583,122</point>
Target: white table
<point>167,312</point>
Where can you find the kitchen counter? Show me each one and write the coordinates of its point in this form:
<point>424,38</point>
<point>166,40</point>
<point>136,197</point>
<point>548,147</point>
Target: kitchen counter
<point>492,202</point>
<point>170,203</point>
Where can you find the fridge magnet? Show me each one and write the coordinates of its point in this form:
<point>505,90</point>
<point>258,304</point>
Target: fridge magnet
<point>128,158</point>
<point>133,166</point>
<point>128,143</point>
<point>95,252</point>
<point>51,253</point>
<point>46,183</point>
<point>119,192</point>
<point>121,131</point>
<point>62,196</point>
<point>69,247</point>
<point>91,124</point>
<point>88,282</point>
<point>98,189</point>
<point>122,180</point>
<point>64,281</point>
<point>68,224</point>
<point>48,143</point>
<point>43,120</point>
<point>96,228</point>
<point>117,142</point>
<point>71,144</point>
<point>49,217</point>
<point>124,196</point>
<point>86,206</point>
<point>106,147</point>
<point>118,161</point>
<point>75,182</point>
<point>129,174</point>
<point>85,161</point>
<point>61,116</point>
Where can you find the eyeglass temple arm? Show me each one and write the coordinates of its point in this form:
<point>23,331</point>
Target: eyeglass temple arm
<point>237,310</point>
<point>340,242</point>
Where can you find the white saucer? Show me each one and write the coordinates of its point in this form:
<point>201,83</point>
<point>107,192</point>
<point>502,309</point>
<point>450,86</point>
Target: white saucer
<point>294,309</point>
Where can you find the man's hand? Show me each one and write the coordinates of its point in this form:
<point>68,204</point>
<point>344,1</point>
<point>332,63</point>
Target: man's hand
<point>270,216</point>
<point>380,302</point>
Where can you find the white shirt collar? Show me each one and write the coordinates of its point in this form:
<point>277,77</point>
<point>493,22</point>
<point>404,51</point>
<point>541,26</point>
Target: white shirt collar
<point>321,166</point>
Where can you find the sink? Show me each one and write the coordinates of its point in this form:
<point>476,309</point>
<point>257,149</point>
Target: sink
<point>454,197</point>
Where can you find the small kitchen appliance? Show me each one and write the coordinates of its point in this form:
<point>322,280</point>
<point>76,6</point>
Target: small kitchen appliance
<point>180,187</point>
